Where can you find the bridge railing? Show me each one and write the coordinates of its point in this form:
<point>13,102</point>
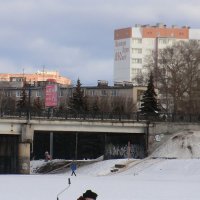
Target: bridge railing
<point>69,115</point>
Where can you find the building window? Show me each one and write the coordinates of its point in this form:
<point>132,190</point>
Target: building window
<point>38,93</point>
<point>149,51</point>
<point>17,79</point>
<point>92,92</point>
<point>136,71</point>
<point>114,93</point>
<point>18,93</point>
<point>103,93</point>
<point>140,94</point>
<point>61,93</point>
<point>137,60</point>
<point>69,93</point>
<point>27,93</point>
<point>137,41</point>
<point>136,51</point>
<point>164,40</point>
<point>8,93</point>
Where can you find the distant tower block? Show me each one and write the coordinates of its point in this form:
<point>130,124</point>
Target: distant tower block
<point>132,45</point>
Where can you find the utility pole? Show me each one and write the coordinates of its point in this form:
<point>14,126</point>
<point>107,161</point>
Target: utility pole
<point>76,147</point>
<point>147,137</point>
<point>29,102</point>
<point>43,67</point>
<point>51,144</point>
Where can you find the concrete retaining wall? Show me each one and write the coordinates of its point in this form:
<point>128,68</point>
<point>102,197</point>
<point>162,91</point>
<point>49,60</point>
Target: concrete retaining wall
<point>159,132</point>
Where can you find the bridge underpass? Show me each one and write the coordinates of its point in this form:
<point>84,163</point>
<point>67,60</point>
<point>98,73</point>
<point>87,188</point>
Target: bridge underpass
<point>88,145</point>
<point>9,154</point>
<point>69,139</point>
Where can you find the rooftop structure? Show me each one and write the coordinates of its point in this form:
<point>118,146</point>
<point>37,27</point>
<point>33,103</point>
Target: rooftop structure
<point>36,77</point>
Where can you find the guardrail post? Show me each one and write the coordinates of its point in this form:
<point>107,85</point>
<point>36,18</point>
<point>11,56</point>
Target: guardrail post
<point>137,116</point>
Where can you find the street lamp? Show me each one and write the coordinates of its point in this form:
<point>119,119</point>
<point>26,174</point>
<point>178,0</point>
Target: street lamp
<point>29,101</point>
<point>156,58</point>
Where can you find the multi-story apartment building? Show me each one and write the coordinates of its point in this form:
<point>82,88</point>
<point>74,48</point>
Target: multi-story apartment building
<point>35,85</point>
<point>132,46</point>
<point>11,93</point>
<point>122,94</point>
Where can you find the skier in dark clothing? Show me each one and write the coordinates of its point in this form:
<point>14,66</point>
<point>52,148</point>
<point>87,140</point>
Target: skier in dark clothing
<point>88,195</point>
<point>73,168</point>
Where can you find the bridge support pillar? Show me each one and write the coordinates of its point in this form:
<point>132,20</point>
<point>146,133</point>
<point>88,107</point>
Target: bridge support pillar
<point>24,149</point>
<point>24,158</point>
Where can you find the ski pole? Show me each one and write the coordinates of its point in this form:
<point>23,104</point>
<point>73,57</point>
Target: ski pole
<point>69,183</point>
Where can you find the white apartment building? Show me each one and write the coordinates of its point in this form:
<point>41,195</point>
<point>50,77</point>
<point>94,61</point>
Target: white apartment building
<point>132,46</point>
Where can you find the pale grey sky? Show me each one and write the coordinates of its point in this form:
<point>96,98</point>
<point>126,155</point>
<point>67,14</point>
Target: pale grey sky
<point>75,37</point>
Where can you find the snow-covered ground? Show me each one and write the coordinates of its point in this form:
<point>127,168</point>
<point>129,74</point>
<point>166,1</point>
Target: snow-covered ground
<point>148,179</point>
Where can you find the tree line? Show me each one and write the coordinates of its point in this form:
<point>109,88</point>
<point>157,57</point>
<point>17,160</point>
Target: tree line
<point>174,71</point>
<point>78,102</point>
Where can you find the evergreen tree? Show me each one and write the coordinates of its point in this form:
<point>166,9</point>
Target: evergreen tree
<point>8,104</point>
<point>22,103</point>
<point>37,104</point>
<point>85,104</point>
<point>149,106</point>
<point>95,106</point>
<point>77,99</point>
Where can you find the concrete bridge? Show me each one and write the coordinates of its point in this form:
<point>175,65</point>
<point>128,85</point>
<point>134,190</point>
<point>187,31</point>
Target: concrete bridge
<point>17,136</point>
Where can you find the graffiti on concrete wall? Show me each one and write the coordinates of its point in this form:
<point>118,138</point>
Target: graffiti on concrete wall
<point>121,151</point>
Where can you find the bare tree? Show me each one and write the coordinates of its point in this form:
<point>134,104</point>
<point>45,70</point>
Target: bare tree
<point>176,73</point>
<point>104,104</point>
<point>191,54</point>
<point>7,103</point>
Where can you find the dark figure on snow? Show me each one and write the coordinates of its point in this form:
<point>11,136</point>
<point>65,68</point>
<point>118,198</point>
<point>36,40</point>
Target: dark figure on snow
<point>73,168</point>
<point>88,195</point>
<point>47,156</point>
